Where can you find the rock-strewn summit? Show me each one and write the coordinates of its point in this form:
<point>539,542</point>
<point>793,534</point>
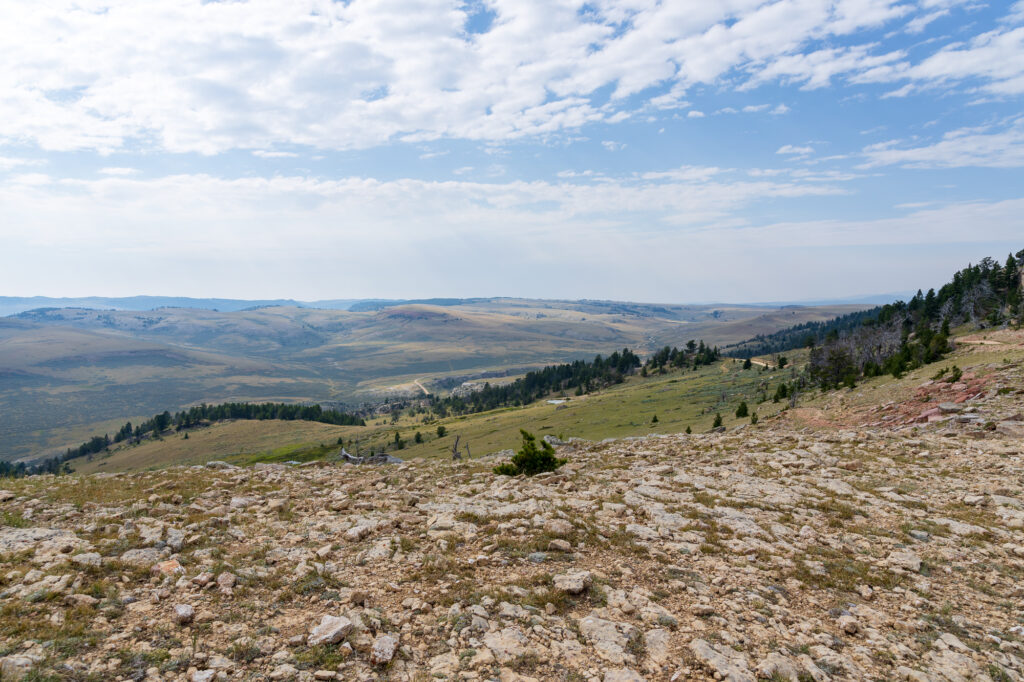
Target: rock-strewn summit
<point>774,552</point>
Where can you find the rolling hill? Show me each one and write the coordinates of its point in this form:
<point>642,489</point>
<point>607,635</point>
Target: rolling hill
<point>66,373</point>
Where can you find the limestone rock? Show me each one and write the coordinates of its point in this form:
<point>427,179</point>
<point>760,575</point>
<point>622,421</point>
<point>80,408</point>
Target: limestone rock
<point>906,560</point>
<point>726,664</point>
<point>573,582</point>
<point>331,630</point>
<point>184,613</point>
<point>383,650</point>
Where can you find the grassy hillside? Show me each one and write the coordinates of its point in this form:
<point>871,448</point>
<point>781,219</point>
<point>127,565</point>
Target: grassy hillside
<point>68,373</point>
<point>265,440</point>
<point>678,398</point>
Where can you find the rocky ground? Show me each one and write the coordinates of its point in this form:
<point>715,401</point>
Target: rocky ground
<point>889,552</point>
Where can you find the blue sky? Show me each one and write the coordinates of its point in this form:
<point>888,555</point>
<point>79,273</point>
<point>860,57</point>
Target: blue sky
<point>747,150</point>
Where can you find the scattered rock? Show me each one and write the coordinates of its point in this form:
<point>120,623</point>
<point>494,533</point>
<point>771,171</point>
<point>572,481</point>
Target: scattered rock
<point>143,558</point>
<point>724,663</point>
<point>383,650</point>
<point>331,630</point>
<point>184,614</point>
<point>573,582</point>
<point>906,560</point>
<point>777,667</point>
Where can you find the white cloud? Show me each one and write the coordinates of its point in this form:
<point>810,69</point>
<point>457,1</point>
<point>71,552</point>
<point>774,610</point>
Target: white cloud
<point>118,170</point>
<point>1016,15</point>
<point>197,76</point>
<point>10,162</point>
<point>695,114</point>
<point>790,149</point>
<point>612,145</point>
<point>941,224</point>
<point>995,60</point>
<point>265,154</point>
<point>989,146</point>
<point>920,23</point>
<point>996,57</point>
<point>169,215</point>
<point>498,238</point>
<point>816,69</point>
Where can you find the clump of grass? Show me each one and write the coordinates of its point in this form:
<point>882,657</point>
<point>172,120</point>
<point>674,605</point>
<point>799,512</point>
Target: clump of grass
<point>314,583</point>
<point>319,658</point>
<point>843,572</point>
<point>836,509</point>
<point>244,653</point>
<point>14,520</point>
<point>705,498</point>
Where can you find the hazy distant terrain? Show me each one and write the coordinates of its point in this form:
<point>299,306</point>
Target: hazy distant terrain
<point>11,305</point>
<point>64,372</point>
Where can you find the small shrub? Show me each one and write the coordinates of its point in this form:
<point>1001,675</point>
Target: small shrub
<point>530,460</point>
<point>742,410</point>
<point>718,421</point>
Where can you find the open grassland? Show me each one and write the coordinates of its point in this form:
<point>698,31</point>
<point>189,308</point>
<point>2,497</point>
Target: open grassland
<point>678,399</point>
<point>270,440</point>
<point>69,373</point>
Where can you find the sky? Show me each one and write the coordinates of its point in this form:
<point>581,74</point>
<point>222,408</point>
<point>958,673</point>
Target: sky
<point>647,150</point>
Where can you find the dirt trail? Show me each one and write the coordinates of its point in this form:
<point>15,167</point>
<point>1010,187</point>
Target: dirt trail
<point>981,342</point>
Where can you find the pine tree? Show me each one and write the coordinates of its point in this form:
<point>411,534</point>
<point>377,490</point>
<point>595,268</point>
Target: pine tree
<point>529,460</point>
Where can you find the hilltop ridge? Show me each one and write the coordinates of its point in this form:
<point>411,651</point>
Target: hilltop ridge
<point>827,543</point>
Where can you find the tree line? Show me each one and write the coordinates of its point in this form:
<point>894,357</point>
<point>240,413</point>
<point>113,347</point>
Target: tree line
<point>805,335</point>
<point>193,417</point>
<point>903,336</point>
<point>693,354</point>
<point>581,376</point>
<point>900,336</point>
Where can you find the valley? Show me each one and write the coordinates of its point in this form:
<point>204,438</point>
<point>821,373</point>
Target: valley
<point>853,537</point>
<point>68,373</point>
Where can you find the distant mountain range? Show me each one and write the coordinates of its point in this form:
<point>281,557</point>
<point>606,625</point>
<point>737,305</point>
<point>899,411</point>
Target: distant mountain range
<point>12,305</point>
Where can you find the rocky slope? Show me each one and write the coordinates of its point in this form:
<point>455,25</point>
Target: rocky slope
<point>892,551</point>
